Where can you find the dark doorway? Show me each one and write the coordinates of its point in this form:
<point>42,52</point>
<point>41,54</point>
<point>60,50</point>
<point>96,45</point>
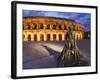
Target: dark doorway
<point>29,37</point>
<point>41,37</point>
<point>54,37</point>
<point>48,37</point>
<point>60,37</point>
<point>35,37</point>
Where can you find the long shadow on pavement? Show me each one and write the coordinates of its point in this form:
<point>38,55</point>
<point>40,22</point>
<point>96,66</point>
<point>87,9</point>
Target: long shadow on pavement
<point>52,52</point>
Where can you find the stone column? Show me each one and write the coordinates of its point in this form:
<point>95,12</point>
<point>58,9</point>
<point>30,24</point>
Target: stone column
<point>51,26</point>
<point>45,38</point>
<point>38,37</point>
<point>44,25</point>
<point>62,27</point>
<point>57,37</point>
<point>51,37</point>
<point>32,37</point>
<point>63,37</point>
<point>81,36</point>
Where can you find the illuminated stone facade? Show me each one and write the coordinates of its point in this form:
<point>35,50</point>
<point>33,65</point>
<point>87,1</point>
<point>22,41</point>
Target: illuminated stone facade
<point>49,29</point>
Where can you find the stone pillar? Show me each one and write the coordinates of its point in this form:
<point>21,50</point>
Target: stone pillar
<point>62,27</point>
<point>32,37</point>
<point>45,38</point>
<point>51,26</point>
<point>57,27</point>
<point>57,37</point>
<point>44,25</point>
<point>51,37</point>
<point>63,37</point>
<point>38,37</point>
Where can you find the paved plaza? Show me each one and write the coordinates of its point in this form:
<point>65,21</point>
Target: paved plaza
<point>44,54</point>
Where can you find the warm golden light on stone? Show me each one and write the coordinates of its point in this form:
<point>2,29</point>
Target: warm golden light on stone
<point>49,29</point>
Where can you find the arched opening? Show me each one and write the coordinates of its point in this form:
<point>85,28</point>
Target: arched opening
<point>35,37</point>
<point>41,37</point>
<point>41,26</point>
<point>54,37</point>
<point>29,37</point>
<point>54,27</point>
<point>34,26</point>
<point>60,27</point>
<point>48,37</point>
<point>60,37</point>
<point>48,26</point>
<point>29,26</point>
<point>78,36</point>
<point>65,27</point>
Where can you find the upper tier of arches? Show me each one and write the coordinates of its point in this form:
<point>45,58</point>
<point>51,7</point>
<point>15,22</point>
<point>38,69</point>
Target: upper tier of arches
<point>32,23</point>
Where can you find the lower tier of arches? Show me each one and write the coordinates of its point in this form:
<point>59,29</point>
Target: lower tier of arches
<point>48,35</point>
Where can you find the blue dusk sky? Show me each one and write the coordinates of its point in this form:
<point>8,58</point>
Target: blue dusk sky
<point>83,18</point>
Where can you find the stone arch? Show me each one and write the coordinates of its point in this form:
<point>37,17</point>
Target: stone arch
<point>48,26</point>
<point>48,37</point>
<point>24,36</point>
<point>80,36</point>
<point>60,27</point>
<point>29,37</point>
<point>41,37</point>
<point>35,37</point>
<point>65,27</point>
<point>54,36</point>
<point>34,26</point>
<point>60,36</point>
<point>29,26</point>
<point>41,26</point>
<point>54,26</point>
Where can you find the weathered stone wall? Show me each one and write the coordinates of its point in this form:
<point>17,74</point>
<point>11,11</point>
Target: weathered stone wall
<point>49,29</point>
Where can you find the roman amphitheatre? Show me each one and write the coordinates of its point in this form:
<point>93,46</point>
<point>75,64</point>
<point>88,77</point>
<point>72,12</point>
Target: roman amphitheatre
<point>50,29</point>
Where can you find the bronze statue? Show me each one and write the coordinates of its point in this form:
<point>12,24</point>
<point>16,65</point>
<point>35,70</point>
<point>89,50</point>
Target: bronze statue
<point>70,55</point>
